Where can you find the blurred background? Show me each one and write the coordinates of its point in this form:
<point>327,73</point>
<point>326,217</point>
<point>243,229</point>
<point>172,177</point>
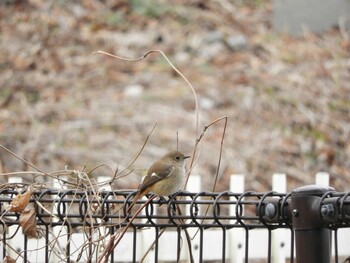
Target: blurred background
<point>282,79</point>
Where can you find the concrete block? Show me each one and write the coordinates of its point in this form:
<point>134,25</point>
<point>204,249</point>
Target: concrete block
<point>293,16</point>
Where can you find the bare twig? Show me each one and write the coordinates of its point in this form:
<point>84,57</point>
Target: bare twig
<point>111,244</point>
<point>188,238</point>
<point>118,175</point>
<point>206,127</point>
<point>219,159</point>
<point>21,159</point>
<point>173,67</point>
<point>182,76</point>
<point>152,245</point>
<point>221,148</point>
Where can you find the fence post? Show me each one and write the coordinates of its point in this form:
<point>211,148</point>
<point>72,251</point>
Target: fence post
<point>279,237</point>
<point>312,240</point>
<point>322,178</point>
<point>16,242</point>
<point>236,242</point>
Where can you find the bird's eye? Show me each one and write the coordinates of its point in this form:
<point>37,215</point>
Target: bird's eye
<point>177,158</point>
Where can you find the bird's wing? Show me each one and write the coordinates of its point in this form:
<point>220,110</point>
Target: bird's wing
<point>153,177</point>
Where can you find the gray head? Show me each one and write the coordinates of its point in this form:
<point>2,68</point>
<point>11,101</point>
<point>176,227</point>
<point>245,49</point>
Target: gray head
<point>176,157</point>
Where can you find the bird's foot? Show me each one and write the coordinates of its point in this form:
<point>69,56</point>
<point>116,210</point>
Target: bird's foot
<point>162,200</point>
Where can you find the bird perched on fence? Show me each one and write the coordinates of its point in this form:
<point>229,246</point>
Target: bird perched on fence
<point>165,176</point>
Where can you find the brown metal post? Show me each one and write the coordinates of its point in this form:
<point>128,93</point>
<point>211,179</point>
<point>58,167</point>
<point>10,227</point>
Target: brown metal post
<point>312,240</point>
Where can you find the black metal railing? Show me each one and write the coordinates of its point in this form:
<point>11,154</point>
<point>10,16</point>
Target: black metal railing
<point>311,213</point>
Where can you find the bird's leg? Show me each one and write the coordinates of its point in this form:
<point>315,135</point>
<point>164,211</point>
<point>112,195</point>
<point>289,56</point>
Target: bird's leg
<point>162,200</point>
<point>173,207</point>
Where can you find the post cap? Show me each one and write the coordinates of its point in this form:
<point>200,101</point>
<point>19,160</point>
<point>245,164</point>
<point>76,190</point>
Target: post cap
<point>312,190</point>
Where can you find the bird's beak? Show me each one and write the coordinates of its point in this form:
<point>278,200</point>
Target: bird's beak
<point>186,157</point>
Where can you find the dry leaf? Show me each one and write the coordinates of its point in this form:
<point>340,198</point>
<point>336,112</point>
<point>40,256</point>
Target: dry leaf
<point>20,202</point>
<point>27,220</point>
<point>8,259</point>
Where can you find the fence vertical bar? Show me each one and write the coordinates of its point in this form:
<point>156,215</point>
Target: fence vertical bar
<point>292,237</point>
<point>223,258</point>
<point>134,240</point>
<point>336,245</point>
<point>193,185</point>
<point>156,245</point>
<point>4,242</point>
<point>147,238</point>
<point>178,245</point>
<point>269,246</point>
<point>59,231</point>
<point>201,241</point>
<point>69,238</point>
<point>47,243</point>
<point>313,241</point>
<point>25,249</point>
<point>246,251</point>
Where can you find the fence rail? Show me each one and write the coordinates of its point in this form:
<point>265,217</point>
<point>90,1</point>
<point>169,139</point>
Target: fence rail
<point>76,225</point>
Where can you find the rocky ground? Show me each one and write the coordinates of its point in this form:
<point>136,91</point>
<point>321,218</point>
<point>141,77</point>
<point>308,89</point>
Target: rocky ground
<point>286,99</point>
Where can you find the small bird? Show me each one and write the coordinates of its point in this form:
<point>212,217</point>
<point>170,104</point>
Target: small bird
<point>165,176</point>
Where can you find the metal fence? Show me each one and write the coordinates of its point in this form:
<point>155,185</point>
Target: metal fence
<point>82,226</point>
